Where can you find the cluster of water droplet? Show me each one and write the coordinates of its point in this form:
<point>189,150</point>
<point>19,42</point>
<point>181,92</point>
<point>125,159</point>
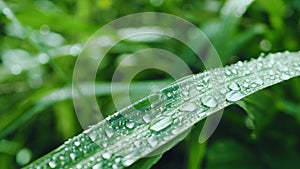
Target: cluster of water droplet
<point>137,130</point>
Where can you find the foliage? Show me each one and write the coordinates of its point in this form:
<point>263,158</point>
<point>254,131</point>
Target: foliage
<point>261,134</point>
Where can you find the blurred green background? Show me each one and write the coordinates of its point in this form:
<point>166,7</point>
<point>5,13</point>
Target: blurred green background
<point>41,39</point>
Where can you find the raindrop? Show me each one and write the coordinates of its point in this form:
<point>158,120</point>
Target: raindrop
<point>109,132</point>
<point>185,92</point>
<point>8,13</point>
<point>206,79</point>
<point>129,159</point>
<point>77,143</point>
<point>127,162</point>
<point>271,73</point>
<point>75,50</point>
<point>222,91</point>
<point>234,86</point>
<point>283,69</point>
<point>104,144</point>
<point>284,77</point>
<point>97,166</point>
<point>73,156</point>
<point>188,107</point>
<point>115,166</point>
<point>161,124</point>
<point>106,155</point>
<point>16,69</point>
<point>146,118</point>
<point>152,141</point>
<point>44,29</point>
<point>245,85</point>
<point>23,156</point>
<point>227,72</point>
<point>209,101</point>
<point>247,72</point>
<point>234,96</point>
<point>234,71</point>
<point>130,125</point>
<point>43,58</point>
<point>52,164</point>
<point>258,81</point>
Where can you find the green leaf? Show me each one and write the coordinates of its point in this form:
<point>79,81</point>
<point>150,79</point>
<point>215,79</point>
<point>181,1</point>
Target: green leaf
<point>228,154</point>
<point>131,134</point>
<point>146,163</point>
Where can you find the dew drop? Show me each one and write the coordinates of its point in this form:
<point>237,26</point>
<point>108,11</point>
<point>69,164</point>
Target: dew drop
<point>16,69</point>
<point>185,92</point>
<point>106,155</point>
<point>104,144</point>
<point>52,164</point>
<point>109,132</point>
<point>227,72</point>
<point>234,86</point>
<point>258,81</point>
<point>152,141</point>
<point>271,73</point>
<point>234,96</point>
<point>43,58</point>
<point>127,162</point>
<point>209,101</point>
<point>188,107</point>
<point>247,72</point>
<point>129,159</point>
<point>73,156</point>
<point>234,71</point>
<point>77,143</point>
<point>97,166</point>
<point>245,85</point>
<point>206,79</point>
<point>115,166</point>
<point>222,91</point>
<point>283,69</point>
<point>161,124</point>
<point>130,125</point>
<point>284,77</point>
<point>146,118</point>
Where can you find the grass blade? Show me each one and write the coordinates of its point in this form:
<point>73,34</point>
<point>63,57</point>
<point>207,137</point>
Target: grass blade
<point>143,127</point>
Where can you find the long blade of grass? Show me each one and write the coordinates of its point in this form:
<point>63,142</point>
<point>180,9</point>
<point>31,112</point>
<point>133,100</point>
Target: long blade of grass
<point>141,128</point>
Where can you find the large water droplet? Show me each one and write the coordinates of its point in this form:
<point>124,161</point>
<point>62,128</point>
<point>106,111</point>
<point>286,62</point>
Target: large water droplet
<point>234,96</point>
<point>209,101</point>
<point>161,124</point>
<point>188,107</point>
